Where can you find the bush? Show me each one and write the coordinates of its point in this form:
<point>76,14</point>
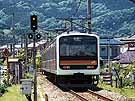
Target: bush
<point>127,82</point>
<point>27,75</point>
<point>6,83</point>
<point>3,88</point>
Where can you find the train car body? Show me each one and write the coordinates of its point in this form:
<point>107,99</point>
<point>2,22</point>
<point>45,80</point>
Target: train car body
<point>73,58</point>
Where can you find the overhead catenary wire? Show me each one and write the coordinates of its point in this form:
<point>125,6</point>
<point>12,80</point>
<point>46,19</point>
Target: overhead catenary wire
<point>77,9</point>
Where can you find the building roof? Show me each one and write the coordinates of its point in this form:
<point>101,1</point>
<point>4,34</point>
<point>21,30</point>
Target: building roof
<point>4,46</point>
<point>127,57</point>
<point>13,60</point>
<point>37,43</point>
<point>110,41</point>
<point>130,38</point>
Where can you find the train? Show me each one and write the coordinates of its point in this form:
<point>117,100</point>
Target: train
<point>73,59</point>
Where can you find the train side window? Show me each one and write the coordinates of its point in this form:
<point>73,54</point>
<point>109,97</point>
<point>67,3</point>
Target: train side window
<point>103,49</point>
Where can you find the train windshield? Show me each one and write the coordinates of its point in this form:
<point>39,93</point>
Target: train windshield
<point>78,46</point>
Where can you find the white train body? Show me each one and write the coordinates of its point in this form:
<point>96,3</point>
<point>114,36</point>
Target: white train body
<point>72,53</point>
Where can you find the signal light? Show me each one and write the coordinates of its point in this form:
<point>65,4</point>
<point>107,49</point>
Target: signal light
<point>66,67</point>
<point>30,36</point>
<point>38,36</point>
<point>33,22</point>
<point>33,19</point>
<point>90,67</point>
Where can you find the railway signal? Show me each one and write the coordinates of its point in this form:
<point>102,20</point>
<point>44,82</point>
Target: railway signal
<point>33,36</point>
<point>33,22</point>
<point>30,36</point>
<point>38,36</point>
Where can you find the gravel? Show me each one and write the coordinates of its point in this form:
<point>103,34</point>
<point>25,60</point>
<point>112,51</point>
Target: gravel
<point>56,94</point>
<point>53,92</point>
<point>114,96</point>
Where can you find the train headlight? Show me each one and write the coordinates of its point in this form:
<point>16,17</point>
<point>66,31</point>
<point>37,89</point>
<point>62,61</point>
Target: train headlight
<point>90,67</point>
<point>66,67</point>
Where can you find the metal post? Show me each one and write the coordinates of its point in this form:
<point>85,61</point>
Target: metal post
<point>65,24</point>
<point>13,35</point>
<point>26,50</point>
<point>116,82</point>
<point>89,15</point>
<point>34,64</point>
<point>21,41</point>
<point>108,53</point>
<point>71,21</point>
<point>11,48</point>
<point>109,64</point>
<point>14,49</point>
<point>121,82</point>
<point>8,68</point>
<point>108,60</point>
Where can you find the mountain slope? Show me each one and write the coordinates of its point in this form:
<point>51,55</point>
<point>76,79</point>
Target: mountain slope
<point>113,17</point>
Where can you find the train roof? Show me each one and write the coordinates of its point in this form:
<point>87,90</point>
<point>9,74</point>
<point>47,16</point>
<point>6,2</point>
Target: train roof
<point>73,33</point>
<point>77,33</point>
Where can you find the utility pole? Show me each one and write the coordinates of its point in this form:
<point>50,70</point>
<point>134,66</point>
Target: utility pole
<point>34,64</point>
<point>109,63</point>
<point>21,41</point>
<point>133,68</point>
<point>14,46</point>
<point>71,21</point>
<point>13,35</point>
<point>89,15</point>
<point>108,54</point>
<point>34,28</point>
<point>26,51</point>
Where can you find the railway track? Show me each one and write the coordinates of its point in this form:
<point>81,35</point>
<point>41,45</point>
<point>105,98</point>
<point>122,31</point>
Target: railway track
<point>78,96</point>
<point>82,96</point>
<point>99,96</point>
<point>54,92</point>
<point>92,94</point>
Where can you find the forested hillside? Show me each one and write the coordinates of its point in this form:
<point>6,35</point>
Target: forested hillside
<point>113,17</point>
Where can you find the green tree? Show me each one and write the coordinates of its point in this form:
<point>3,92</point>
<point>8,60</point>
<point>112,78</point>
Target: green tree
<point>20,54</point>
<point>124,72</point>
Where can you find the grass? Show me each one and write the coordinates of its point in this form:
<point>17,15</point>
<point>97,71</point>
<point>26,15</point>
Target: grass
<point>14,94</point>
<point>129,92</point>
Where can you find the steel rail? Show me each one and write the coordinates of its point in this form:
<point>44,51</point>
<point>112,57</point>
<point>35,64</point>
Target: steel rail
<point>99,96</point>
<point>78,96</point>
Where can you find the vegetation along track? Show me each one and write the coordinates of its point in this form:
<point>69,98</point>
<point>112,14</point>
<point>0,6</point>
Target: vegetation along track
<point>93,94</point>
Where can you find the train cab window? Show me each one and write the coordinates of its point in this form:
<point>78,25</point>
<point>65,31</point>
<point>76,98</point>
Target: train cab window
<point>76,46</point>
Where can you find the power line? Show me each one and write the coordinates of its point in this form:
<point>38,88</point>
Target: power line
<point>77,9</point>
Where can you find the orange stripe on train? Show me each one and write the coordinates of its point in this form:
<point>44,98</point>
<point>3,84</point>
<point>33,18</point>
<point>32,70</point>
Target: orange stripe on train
<point>78,62</point>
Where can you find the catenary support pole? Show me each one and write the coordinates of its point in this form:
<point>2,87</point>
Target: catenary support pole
<point>34,64</point>
<point>89,15</point>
